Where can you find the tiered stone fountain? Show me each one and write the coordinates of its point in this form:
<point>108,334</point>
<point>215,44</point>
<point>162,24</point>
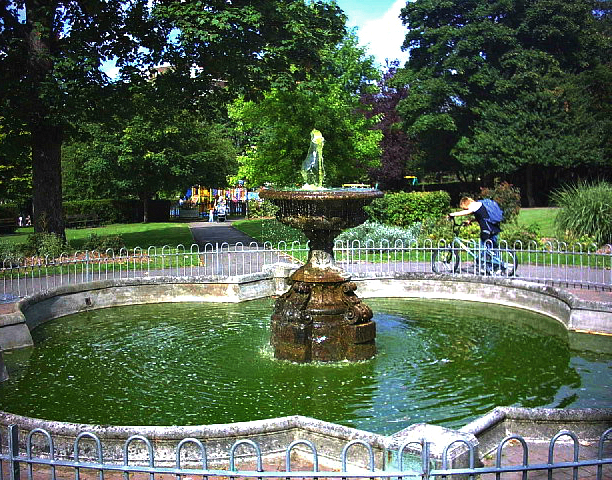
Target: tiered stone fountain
<point>320,318</point>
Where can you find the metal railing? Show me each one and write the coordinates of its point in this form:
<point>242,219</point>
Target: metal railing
<point>597,466</point>
<point>552,262</point>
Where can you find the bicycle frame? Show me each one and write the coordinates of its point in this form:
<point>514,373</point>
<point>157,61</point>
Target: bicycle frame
<point>486,253</point>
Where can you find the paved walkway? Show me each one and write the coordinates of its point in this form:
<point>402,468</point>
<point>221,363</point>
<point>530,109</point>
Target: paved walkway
<point>218,232</point>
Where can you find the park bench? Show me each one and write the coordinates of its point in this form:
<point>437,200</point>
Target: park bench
<point>8,225</point>
<point>82,221</point>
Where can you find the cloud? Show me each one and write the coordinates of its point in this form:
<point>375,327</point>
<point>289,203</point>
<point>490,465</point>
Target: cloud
<point>384,35</point>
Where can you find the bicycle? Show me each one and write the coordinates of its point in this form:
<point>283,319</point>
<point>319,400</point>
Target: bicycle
<point>488,261</point>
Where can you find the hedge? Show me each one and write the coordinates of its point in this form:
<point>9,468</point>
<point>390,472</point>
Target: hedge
<point>8,212</point>
<point>119,210</point>
<point>405,208</point>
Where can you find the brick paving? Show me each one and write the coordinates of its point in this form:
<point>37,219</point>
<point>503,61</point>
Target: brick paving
<point>538,455</point>
<point>512,455</point>
<point>592,295</point>
<point>276,464</point>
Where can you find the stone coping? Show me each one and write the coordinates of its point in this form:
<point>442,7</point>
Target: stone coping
<point>275,434</point>
<point>575,314</point>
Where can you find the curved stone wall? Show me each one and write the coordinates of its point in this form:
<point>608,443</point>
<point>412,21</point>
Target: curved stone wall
<point>573,313</point>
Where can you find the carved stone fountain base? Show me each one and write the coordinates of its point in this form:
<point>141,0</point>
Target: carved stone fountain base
<point>321,319</point>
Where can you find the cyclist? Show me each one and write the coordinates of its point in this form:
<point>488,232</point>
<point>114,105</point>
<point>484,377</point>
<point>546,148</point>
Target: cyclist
<point>489,230</point>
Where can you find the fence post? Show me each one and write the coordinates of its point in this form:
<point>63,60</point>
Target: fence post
<point>425,459</point>
<point>13,446</point>
<point>87,265</point>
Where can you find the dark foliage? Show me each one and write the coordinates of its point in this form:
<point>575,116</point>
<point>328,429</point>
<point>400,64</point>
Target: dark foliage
<point>396,147</point>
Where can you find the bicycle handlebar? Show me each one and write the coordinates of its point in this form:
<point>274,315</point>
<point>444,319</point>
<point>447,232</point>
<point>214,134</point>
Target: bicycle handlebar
<point>453,220</point>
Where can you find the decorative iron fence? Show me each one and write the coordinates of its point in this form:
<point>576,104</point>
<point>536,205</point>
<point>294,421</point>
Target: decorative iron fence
<point>46,459</point>
<point>553,262</point>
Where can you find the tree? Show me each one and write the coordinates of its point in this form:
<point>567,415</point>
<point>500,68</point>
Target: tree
<point>155,159</point>
<point>154,144</point>
<point>277,128</point>
<point>471,61</point>
<point>553,128</point>
<point>15,166</point>
<point>397,149</point>
<point>89,162</point>
<point>51,54</point>
<point>151,147</point>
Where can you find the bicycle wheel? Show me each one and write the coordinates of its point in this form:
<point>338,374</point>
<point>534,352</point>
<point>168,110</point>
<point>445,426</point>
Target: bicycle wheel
<point>500,262</point>
<point>508,263</point>
<point>445,260</point>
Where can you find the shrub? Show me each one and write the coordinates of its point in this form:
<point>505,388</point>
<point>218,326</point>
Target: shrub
<point>507,196</point>
<point>585,211</point>
<point>105,210</point>
<point>44,244</point>
<point>437,230</point>
<point>9,253</point>
<point>118,210</point>
<point>525,235</point>
<point>101,243</point>
<point>583,241</point>
<point>261,209</point>
<point>377,233</point>
<point>442,229</point>
<point>274,232</point>
<point>9,210</point>
<point>405,208</point>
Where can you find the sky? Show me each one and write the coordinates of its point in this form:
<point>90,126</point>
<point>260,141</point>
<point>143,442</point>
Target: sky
<point>378,26</point>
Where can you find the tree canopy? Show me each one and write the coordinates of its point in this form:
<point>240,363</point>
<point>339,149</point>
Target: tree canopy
<point>277,128</point>
<point>152,145</point>
<point>396,148</point>
<point>52,52</point>
<point>493,84</point>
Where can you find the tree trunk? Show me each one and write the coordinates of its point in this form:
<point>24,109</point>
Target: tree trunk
<point>47,179</point>
<point>145,208</point>
<point>46,130</point>
<point>529,186</point>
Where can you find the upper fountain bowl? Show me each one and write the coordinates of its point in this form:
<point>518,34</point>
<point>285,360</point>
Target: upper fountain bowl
<point>333,209</point>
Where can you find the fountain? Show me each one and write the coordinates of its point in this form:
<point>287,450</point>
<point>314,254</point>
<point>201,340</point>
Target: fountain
<point>320,318</point>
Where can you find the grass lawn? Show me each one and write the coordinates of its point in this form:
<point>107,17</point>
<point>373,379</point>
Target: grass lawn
<point>269,230</point>
<point>543,217</point>
<point>264,230</point>
<point>134,234</point>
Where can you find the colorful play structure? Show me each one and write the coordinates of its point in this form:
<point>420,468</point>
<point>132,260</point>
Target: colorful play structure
<point>198,201</point>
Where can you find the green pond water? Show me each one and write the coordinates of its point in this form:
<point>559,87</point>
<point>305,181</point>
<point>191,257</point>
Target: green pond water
<point>440,362</point>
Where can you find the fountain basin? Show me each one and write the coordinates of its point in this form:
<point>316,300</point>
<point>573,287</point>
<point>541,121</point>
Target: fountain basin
<point>320,318</point>
<point>321,214</point>
<point>572,313</point>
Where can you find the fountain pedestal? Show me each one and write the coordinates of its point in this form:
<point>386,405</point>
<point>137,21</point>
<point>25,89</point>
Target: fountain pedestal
<point>320,318</point>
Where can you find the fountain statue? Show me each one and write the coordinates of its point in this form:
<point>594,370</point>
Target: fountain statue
<point>313,172</point>
<point>320,318</point>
